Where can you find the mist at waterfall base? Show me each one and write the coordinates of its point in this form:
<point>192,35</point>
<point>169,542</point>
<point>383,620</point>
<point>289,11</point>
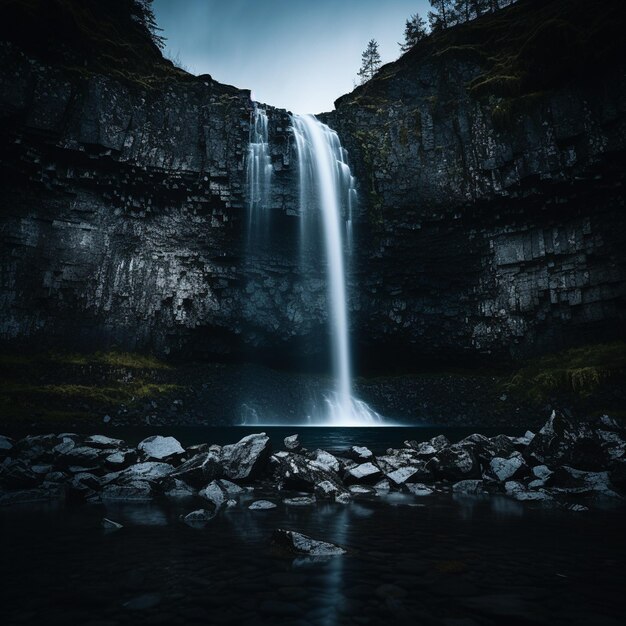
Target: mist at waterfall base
<point>326,203</point>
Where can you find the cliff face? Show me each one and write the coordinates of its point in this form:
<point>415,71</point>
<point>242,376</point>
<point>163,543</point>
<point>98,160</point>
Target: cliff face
<point>486,224</point>
<point>493,204</point>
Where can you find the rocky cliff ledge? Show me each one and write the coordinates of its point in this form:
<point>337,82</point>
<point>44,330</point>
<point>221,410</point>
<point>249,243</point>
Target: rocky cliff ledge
<point>488,224</point>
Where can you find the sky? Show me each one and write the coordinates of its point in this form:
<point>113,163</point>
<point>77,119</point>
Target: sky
<point>300,55</point>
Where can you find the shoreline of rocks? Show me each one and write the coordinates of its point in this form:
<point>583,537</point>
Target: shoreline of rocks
<point>575,466</point>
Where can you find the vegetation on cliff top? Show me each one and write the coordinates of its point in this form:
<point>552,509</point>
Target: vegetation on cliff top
<point>115,37</point>
<point>528,47</point>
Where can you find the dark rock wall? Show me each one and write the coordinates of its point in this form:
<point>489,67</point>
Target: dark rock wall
<point>123,218</point>
<point>483,233</point>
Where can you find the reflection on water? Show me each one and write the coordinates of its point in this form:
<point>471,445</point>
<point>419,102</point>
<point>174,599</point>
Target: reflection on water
<point>410,560</point>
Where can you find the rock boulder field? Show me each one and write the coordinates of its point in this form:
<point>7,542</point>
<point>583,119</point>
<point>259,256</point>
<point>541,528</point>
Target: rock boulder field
<point>567,464</point>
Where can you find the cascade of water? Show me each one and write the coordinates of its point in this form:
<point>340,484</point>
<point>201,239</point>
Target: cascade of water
<point>327,185</point>
<point>259,165</point>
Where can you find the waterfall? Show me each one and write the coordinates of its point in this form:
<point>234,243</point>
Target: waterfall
<point>327,188</point>
<point>259,165</point>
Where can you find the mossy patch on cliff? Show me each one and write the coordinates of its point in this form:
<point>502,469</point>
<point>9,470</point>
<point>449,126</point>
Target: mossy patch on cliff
<point>579,371</point>
<point>68,385</point>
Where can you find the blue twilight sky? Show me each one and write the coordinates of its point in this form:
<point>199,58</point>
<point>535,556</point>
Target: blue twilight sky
<point>296,54</point>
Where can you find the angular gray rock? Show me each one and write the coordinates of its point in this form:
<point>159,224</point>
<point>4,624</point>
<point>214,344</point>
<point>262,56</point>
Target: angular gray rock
<point>262,505</point>
<point>102,441</point>
<point>325,460</point>
<point>297,543</point>
<point>158,448</point>
<point>292,443</point>
<point>365,472</point>
<point>469,487</point>
<point>175,488</point>
<point>200,469</point>
<point>199,518</point>
<point>132,491</point>
<point>360,453</point>
<point>218,491</point>
<point>247,458</point>
<point>300,501</point>
<point>454,463</point>
<point>505,469</point>
<point>149,470</point>
<point>419,489</point>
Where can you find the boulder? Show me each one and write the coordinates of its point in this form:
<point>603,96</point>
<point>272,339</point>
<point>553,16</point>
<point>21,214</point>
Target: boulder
<point>365,472</point>
<point>120,459</point>
<point>518,490</point>
<point>299,544</point>
<point>469,487</point>
<point>505,469</point>
<point>64,447</point>
<point>485,449</point>
<point>561,442</point>
<point>325,460</point>
<point>359,453</point>
<point>103,442</point>
<point>574,481</point>
<point>262,505</point>
<point>150,470</point>
<point>218,491</point>
<point>300,501</point>
<point>428,449</point>
<point>541,472</point>
<point>158,448</point>
<point>292,443</point>
<point>200,469</point>
<point>132,491</point>
<point>402,474</point>
<point>294,471</point>
<point>17,474</point>
<point>83,456</point>
<point>454,463</point>
<point>6,445</point>
<point>247,458</point>
<point>199,518</point>
<point>175,488</point>
<point>362,490</point>
<point>419,489</point>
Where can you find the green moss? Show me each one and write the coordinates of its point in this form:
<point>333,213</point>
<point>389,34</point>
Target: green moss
<point>109,394</point>
<point>129,360</point>
<point>579,371</point>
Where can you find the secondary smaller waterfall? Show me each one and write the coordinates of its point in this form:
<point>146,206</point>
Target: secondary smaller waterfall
<point>259,164</point>
<point>327,187</point>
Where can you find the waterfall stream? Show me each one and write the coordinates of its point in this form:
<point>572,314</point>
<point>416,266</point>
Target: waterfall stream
<point>259,165</point>
<point>327,187</point>
<point>327,197</point>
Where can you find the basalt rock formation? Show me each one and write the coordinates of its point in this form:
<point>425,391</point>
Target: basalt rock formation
<point>490,218</point>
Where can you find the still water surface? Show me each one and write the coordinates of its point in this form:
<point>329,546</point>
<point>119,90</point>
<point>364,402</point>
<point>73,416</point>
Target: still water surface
<point>411,561</point>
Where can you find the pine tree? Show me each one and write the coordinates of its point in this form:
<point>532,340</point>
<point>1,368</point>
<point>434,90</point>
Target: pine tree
<point>414,31</point>
<point>143,13</point>
<point>442,16</point>
<point>370,61</point>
